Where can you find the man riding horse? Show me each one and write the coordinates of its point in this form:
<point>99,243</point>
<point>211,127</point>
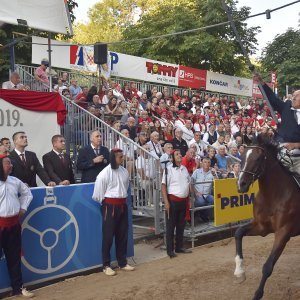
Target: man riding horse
<point>289,130</point>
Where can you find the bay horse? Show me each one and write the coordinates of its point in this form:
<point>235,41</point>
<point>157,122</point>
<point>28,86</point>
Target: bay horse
<point>276,208</point>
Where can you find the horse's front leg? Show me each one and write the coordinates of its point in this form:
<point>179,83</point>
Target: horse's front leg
<point>239,271</point>
<point>281,238</point>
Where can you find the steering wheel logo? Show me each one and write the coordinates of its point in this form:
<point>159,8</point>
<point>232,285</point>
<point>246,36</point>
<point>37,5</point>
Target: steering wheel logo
<point>50,237</point>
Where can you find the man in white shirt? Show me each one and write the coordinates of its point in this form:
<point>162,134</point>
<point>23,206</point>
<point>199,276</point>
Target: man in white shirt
<point>14,83</point>
<point>175,191</point>
<point>155,146</point>
<point>145,166</point>
<point>111,191</point>
<point>187,131</point>
<point>203,191</point>
<point>200,145</point>
<point>15,198</point>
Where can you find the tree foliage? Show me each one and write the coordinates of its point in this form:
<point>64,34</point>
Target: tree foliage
<point>283,56</point>
<point>213,49</point>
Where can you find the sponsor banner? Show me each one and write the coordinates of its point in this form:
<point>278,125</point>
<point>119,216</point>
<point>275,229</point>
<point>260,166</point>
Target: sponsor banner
<point>256,91</point>
<point>229,84</point>
<point>140,68</point>
<point>13,119</point>
<point>231,206</point>
<point>61,235</point>
<point>192,78</point>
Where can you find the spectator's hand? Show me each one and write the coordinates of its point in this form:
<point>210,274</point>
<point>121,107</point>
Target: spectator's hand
<point>291,146</point>
<point>51,183</point>
<point>21,213</point>
<point>167,205</point>
<point>98,159</point>
<point>65,182</point>
<point>257,77</point>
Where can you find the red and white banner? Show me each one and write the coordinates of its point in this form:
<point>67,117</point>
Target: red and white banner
<point>141,68</point>
<point>192,78</point>
<point>40,122</point>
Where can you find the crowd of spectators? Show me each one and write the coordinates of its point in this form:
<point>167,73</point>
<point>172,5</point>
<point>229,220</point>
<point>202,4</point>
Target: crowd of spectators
<point>204,127</point>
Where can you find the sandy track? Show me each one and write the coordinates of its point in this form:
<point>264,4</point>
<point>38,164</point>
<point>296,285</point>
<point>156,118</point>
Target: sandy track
<point>207,273</point>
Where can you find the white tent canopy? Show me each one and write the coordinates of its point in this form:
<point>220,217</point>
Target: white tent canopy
<point>51,15</point>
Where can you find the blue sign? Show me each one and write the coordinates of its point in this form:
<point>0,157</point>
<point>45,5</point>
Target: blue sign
<point>62,235</point>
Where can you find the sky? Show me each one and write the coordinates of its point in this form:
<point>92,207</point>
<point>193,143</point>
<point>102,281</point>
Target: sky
<point>280,20</point>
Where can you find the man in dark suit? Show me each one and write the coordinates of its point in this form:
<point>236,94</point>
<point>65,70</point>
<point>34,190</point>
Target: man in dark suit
<point>93,158</point>
<point>57,164</point>
<point>26,164</point>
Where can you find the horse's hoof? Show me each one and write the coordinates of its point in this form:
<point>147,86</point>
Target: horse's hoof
<point>240,279</point>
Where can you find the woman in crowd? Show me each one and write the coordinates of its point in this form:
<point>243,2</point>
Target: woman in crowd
<point>112,107</point>
<point>145,127</point>
<point>235,170</point>
<point>169,133</point>
<point>108,95</point>
<point>157,127</point>
<point>123,108</point>
<point>135,103</point>
<point>91,93</point>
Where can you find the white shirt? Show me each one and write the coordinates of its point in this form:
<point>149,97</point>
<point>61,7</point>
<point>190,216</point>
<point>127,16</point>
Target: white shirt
<point>179,123</point>
<point>297,114</point>
<point>111,184</point>
<point>128,148</point>
<point>178,181</point>
<point>187,134</point>
<point>19,153</point>
<point>200,176</point>
<point>8,85</point>
<point>201,147</point>
<point>146,164</point>
<point>14,195</point>
<point>163,158</point>
<point>155,149</point>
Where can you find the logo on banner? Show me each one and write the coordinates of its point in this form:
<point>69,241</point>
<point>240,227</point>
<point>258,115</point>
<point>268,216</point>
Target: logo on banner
<point>159,69</point>
<point>49,238</point>
<point>240,86</point>
<point>76,55</point>
<point>218,82</point>
<point>231,206</point>
<point>183,74</point>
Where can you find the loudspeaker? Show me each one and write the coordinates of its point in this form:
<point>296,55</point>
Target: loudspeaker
<point>100,53</point>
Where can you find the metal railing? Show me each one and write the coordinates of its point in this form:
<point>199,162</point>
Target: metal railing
<point>144,168</point>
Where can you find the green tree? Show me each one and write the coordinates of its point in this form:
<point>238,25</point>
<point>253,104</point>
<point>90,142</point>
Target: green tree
<point>213,49</point>
<point>107,20</point>
<point>283,56</point>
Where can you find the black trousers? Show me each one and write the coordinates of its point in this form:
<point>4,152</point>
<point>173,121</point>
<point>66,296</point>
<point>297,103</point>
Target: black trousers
<point>10,244</point>
<point>176,219</point>
<point>114,224</point>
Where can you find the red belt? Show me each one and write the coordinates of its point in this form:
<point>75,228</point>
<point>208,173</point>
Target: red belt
<point>115,201</point>
<point>9,221</point>
<point>187,204</point>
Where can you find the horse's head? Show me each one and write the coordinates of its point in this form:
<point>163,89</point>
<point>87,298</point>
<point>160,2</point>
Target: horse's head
<point>252,167</point>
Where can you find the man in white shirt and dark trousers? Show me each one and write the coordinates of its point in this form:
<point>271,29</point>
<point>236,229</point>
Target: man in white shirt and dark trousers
<point>175,191</point>
<point>110,190</point>
<point>15,197</point>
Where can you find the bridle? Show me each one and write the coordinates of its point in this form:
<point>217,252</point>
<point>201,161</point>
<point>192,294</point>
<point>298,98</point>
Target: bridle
<point>261,168</point>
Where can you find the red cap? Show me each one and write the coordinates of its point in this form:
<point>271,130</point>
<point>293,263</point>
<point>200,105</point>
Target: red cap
<point>202,117</point>
<point>212,115</point>
<point>164,111</point>
<point>181,112</point>
<point>226,118</point>
<point>116,150</point>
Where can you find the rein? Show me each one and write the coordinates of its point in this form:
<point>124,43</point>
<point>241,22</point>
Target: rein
<point>260,170</point>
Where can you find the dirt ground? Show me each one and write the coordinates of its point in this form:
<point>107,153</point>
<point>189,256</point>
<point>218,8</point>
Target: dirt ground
<point>207,273</point>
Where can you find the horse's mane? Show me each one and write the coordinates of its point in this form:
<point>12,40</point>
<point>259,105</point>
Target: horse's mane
<point>272,147</point>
